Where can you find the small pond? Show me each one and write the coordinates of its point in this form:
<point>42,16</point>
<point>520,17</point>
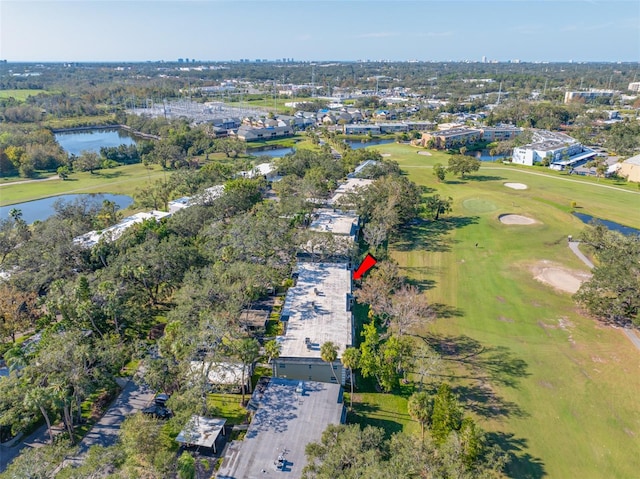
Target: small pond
<point>626,230</point>
<point>75,142</point>
<point>483,155</point>
<point>40,210</point>
<point>280,152</point>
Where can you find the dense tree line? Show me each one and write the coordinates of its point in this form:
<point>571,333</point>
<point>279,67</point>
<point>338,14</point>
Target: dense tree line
<point>612,292</point>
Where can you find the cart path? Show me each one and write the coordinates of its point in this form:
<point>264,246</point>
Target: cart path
<point>484,168</point>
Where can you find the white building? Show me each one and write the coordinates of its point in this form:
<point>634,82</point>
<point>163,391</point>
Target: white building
<point>209,195</point>
<point>559,149</point>
<point>114,232</point>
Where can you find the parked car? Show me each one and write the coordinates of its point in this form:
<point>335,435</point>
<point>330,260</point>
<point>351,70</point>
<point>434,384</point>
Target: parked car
<point>159,407</point>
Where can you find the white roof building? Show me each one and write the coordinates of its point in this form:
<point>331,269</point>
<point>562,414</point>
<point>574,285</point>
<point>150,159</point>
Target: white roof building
<point>337,222</point>
<point>210,194</point>
<point>347,187</point>
<point>317,310</point>
<point>114,232</point>
<point>561,150</point>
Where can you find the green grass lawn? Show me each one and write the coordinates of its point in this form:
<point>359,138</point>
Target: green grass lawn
<point>124,180</point>
<point>227,406</point>
<point>20,95</point>
<point>556,389</point>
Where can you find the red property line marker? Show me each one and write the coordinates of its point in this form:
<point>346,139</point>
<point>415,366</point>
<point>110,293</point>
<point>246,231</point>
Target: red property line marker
<point>367,263</point>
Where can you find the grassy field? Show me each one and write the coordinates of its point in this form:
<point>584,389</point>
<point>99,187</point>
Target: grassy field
<point>124,180</point>
<point>556,389</point>
<point>20,95</point>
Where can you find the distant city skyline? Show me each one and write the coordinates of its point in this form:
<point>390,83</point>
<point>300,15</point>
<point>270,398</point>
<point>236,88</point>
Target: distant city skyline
<point>311,30</point>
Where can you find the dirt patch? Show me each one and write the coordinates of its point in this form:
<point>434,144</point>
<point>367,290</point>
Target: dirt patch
<point>424,153</point>
<point>500,298</point>
<point>546,384</point>
<point>516,220</point>
<point>505,319</point>
<point>386,154</point>
<point>516,186</point>
<point>557,276</point>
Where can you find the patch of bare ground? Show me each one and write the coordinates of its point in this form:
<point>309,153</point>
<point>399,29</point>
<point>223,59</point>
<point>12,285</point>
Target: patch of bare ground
<point>505,320</point>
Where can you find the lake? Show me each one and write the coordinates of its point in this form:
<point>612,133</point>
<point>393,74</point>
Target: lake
<point>75,142</point>
<point>626,230</point>
<point>40,210</point>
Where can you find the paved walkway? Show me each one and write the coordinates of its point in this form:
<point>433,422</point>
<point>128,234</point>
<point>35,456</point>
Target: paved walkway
<point>628,332</point>
<point>574,245</point>
<point>22,182</point>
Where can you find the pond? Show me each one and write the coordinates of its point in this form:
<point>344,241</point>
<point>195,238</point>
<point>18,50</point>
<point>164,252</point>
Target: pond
<point>40,210</point>
<point>626,230</point>
<point>75,142</point>
<point>483,155</point>
<point>280,152</point>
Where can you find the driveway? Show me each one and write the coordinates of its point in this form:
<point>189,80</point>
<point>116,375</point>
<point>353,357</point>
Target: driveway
<point>132,399</point>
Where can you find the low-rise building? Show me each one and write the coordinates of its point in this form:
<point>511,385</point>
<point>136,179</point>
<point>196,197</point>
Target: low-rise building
<point>630,169</point>
<point>207,196</point>
<point>248,133</point>
<point>452,138</point>
<point>500,132</point>
<point>316,310</point>
<point>352,184</point>
<point>289,414</point>
<point>114,232</point>
<point>361,129</point>
<point>588,95</point>
<point>559,150</point>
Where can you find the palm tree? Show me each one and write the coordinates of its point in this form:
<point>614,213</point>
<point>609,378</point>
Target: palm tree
<point>329,353</point>
<point>350,360</point>
<point>420,409</point>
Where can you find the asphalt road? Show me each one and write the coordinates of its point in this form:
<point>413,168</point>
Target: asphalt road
<point>132,399</point>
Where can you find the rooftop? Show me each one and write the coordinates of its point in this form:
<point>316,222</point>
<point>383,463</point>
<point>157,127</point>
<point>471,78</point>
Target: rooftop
<point>455,132</point>
<point>634,160</point>
<point>201,431</point>
<point>290,415</point>
<point>221,373</point>
<point>347,187</point>
<point>335,221</point>
<point>316,310</point>
<point>114,232</point>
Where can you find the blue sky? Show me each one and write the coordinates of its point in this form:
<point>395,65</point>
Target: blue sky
<point>451,30</point>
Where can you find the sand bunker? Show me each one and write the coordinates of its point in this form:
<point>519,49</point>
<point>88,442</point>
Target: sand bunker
<point>516,186</point>
<point>559,277</point>
<point>516,220</point>
<point>425,153</point>
<point>386,154</point>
